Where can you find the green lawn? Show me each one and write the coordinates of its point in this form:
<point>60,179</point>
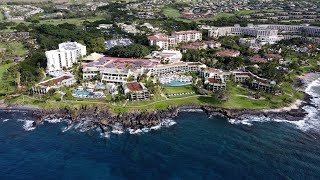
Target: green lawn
<point>14,48</point>
<point>177,89</point>
<point>76,21</point>
<point>221,15</point>
<point>171,12</point>
<point>5,86</point>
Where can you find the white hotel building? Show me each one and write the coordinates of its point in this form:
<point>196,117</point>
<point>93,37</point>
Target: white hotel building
<point>265,32</point>
<point>262,33</point>
<point>164,41</point>
<point>67,54</point>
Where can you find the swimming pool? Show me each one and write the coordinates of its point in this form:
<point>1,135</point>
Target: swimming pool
<point>177,83</point>
<point>82,93</point>
<point>101,87</point>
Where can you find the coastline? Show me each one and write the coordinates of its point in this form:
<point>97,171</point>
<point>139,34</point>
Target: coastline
<point>138,119</point>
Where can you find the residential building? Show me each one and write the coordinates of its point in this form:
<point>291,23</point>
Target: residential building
<point>161,40</point>
<point>254,81</point>
<point>215,79</point>
<point>187,36</point>
<point>67,54</point>
<point>57,82</point>
<point>136,91</point>
<point>164,41</point>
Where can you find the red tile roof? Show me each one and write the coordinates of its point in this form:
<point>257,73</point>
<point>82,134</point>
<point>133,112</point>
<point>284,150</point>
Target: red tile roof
<point>258,59</point>
<point>134,86</point>
<point>54,81</point>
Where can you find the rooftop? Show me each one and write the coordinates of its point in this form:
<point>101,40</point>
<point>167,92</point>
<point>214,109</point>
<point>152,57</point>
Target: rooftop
<point>134,86</point>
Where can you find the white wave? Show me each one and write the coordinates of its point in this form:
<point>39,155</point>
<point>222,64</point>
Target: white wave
<point>156,127</point>
<point>5,120</point>
<point>145,130</point>
<point>168,123</point>
<point>28,125</point>
<point>191,110</point>
<point>65,129</point>
<point>105,135</point>
<point>137,131</point>
<point>116,131</point>
<point>54,120</point>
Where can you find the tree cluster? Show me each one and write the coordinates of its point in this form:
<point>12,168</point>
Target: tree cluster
<point>133,50</point>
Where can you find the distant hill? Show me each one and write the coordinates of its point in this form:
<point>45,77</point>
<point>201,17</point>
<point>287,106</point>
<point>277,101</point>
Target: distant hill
<point>54,1</point>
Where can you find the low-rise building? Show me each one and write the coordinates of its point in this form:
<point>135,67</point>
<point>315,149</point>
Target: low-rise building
<point>136,91</point>
<point>254,81</point>
<point>179,67</point>
<point>54,83</point>
<point>164,41</point>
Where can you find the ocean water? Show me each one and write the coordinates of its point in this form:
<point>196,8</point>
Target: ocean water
<point>195,147</point>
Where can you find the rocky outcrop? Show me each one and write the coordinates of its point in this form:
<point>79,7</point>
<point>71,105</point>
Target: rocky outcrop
<point>102,116</point>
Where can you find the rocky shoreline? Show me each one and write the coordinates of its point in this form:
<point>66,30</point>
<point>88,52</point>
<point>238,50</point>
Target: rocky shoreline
<point>96,116</point>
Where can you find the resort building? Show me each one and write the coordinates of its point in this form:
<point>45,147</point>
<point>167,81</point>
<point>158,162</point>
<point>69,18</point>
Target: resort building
<point>187,36</point>
<point>118,70</point>
<point>254,81</point>
<point>161,40</point>
<point>201,45</point>
<point>264,34</point>
<point>67,54</point>
<point>169,56</point>
<point>164,41</point>
<point>136,91</point>
<point>45,86</point>
<point>92,57</point>
<point>179,67</point>
<point>215,79</point>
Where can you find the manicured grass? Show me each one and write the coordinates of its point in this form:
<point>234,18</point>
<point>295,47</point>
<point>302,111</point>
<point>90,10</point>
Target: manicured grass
<point>14,48</point>
<point>236,98</point>
<point>76,21</point>
<point>175,14</point>
<point>5,85</point>
<point>171,12</point>
<point>221,15</point>
<point>177,89</point>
